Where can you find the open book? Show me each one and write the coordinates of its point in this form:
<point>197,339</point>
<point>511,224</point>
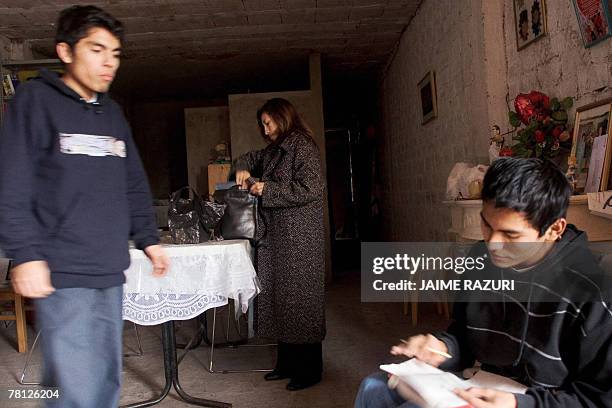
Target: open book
<point>436,387</point>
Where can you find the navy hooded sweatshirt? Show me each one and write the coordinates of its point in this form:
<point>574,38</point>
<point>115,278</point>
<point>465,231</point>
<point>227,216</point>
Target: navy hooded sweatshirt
<point>72,187</point>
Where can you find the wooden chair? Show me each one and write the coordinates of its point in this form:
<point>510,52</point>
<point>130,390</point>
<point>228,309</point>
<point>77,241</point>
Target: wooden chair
<point>17,312</point>
<point>441,307</point>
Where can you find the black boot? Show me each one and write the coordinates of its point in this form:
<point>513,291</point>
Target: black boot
<point>308,362</point>
<point>283,363</point>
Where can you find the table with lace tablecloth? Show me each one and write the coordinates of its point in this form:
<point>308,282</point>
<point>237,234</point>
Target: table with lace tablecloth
<point>201,277</point>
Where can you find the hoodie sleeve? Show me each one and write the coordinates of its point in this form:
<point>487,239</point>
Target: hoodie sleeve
<point>591,354</point>
<point>142,218</point>
<point>20,237</point>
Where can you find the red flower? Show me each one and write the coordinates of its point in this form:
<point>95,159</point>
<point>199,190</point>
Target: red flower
<point>506,152</point>
<point>524,108</point>
<point>539,136</point>
<point>557,132</point>
<point>535,97</point>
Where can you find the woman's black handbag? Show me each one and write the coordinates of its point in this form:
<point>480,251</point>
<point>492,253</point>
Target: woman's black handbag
<point>240,218</point>
<point>192,220</point>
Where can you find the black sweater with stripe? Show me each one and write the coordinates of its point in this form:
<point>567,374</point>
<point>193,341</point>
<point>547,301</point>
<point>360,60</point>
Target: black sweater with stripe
<point>553,334</point>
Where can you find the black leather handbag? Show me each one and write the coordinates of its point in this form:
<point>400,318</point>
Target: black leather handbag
<point>192,220</point>
<point>240,218</point>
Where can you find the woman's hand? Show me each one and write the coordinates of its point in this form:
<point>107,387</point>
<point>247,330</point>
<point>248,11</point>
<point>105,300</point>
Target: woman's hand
<point>241,178</point>
<point>257,188</point>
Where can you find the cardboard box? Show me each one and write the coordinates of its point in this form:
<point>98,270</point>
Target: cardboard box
<point>600,203</point>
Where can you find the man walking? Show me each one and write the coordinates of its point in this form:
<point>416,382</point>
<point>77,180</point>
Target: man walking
<point>73,191</point>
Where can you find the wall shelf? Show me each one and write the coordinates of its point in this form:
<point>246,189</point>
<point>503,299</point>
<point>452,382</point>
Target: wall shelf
<point>465,220</point>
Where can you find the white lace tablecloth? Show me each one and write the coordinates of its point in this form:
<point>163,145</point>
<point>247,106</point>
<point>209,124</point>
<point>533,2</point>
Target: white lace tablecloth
<point>201,277</point>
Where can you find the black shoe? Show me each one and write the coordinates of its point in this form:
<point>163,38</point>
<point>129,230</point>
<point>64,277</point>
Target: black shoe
<point>296,384</point>
<point>275,375</point>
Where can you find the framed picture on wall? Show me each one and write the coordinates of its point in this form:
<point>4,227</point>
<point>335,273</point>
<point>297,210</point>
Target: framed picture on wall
<point>591,147</point>
<point>594,20</point>
<point>529,21</point>
<point>428,98</point>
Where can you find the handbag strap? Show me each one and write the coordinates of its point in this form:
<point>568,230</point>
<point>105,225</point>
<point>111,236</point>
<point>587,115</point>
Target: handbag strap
<point>176,195</point>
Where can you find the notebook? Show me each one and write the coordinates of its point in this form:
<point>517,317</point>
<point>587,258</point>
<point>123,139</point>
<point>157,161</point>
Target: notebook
<point>436,386</point>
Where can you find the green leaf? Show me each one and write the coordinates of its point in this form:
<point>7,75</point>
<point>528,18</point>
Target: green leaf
<point>560,116</point>
<point>567,103</point>
<point>554,104</point>
<point>533,125</point>
<point>538,151</point>
<point>515,121</point>
<point>527,135</point>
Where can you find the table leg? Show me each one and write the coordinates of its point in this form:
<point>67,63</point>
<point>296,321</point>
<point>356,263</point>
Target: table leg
<point>171,372</point>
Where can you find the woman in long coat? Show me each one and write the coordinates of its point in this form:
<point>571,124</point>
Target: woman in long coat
<point>290,257</point>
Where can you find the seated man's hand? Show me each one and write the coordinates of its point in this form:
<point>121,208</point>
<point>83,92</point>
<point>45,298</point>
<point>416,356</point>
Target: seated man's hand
<point>241,178</point>
<point>420,347</point>
<point>159,259</point>
<point>32,279</point>
<point>487,398</point>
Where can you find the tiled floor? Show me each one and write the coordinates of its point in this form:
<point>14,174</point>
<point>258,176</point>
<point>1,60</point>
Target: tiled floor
<point>358,339</point>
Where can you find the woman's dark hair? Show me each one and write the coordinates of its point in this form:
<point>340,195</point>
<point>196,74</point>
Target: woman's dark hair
<point>537,188</point>
<point>75,22</point>
<point>284,114</point>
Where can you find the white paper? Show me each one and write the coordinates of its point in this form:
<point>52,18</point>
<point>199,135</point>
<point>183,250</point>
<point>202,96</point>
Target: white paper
<point>436,386</point>
<point>485,379</point>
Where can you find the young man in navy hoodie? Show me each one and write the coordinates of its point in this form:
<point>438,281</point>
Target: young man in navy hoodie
<point>554,334</point>
<point>73,192</point>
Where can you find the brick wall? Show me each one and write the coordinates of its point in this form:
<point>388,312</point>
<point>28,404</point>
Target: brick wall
<point>471,45</point>
<point>416,158</point>
<point>558,63</point>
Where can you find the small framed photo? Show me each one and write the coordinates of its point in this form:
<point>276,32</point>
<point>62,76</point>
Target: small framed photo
<point>591,147</point>
<point>529,21</point>
<point>594,20</point>
<point>427,92</point>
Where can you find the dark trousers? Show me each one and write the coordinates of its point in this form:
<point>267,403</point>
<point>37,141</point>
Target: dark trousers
<point>303,362</point>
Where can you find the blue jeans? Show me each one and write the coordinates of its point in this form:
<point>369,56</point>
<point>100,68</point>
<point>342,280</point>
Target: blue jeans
<point>81,346</point>
<point>374,393</point>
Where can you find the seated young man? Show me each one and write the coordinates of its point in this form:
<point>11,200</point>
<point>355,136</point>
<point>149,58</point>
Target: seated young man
<point>556,335</point>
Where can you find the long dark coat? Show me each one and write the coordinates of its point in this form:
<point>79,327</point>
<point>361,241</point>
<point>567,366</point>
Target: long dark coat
<point>290,258</point>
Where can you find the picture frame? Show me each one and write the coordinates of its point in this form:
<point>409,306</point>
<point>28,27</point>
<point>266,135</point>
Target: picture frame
<point>529,21</point>
<point>428,97</point>
<point>592,147</point>
<point>594,20</point>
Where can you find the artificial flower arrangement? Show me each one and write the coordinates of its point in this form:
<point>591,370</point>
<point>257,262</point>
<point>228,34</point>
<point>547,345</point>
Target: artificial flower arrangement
<point>544,132</point>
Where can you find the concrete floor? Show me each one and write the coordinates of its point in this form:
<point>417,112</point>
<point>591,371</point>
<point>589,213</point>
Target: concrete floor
<point>359,336</point>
